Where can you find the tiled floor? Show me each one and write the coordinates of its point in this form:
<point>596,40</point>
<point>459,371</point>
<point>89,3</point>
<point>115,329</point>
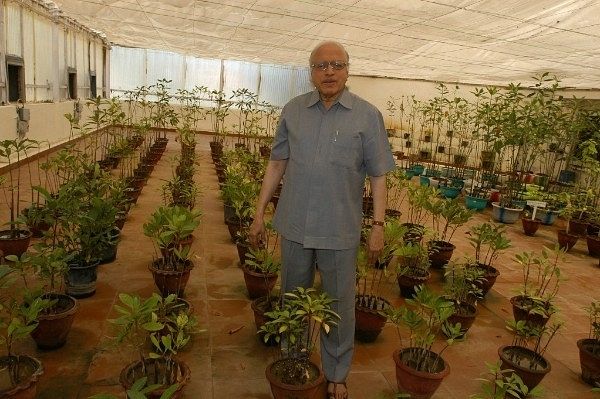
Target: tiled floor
<point>228,361</point>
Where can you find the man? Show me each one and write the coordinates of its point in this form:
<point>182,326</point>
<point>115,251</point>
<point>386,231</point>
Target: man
<point>326,142</point>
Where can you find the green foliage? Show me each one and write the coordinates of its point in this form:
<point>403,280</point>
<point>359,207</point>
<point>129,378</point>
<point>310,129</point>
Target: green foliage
<point>169,227</point>
<point>295,325</point>
<point>500,384</point>
<point>593,313</point>
<point>424,316</point>
<point>448,215</point>
<point>139,389</point>
<point>542,278</point>
<point>489,241</point>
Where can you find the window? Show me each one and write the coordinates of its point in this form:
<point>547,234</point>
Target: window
<point>16,78</point>
<point>72,83</point>
<point>93,93</point>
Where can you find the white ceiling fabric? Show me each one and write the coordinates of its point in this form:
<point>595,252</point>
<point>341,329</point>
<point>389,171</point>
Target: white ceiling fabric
<point>464,41</point>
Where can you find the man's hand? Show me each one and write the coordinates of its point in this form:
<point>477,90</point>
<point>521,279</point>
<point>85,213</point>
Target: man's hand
<point>375,244</point>
<point>257,232</point>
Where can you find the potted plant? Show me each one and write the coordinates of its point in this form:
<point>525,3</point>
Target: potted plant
<point>463,288</point>
<point>502,383</point>
<point>138,323</point>
<point>369,302</point>
<point>49,265</point>
<point>15,239</point>
<point>448,215</point>
<point>566,239</point>
<point>412,267</point>
<point>488,241</point>
<point>262,266</point>
<point>542,277</point>
<point>419,369</point>
<point>18,372</point>
<point>525,354</point>
<point>418,198</point>
<point>171,229</point>
<point>589,348</point>
<point>295,325</point>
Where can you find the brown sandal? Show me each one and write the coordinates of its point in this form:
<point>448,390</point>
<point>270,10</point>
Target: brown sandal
<point>343,393</point>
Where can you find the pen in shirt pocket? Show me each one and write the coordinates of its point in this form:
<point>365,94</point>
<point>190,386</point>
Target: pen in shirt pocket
<point>336,134</point>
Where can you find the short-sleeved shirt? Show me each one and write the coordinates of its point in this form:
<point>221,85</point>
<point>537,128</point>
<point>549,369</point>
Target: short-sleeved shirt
<point>329,153</point>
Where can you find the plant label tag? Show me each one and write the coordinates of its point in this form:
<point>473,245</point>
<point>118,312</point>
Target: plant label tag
<point>536,204</point>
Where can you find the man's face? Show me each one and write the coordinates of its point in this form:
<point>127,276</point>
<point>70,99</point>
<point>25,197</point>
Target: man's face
<point>329,82</point>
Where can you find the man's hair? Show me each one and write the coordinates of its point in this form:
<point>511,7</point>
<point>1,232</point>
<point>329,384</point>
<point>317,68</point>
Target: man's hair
<point>327,43</point>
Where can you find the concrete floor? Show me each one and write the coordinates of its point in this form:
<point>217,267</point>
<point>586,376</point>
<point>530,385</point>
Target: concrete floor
<point>228,361</point>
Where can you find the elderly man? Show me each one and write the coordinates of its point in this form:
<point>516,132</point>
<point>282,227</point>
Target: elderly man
<point>326,143</point>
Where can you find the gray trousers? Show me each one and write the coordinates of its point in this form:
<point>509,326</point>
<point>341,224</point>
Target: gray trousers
<point>337,269</point>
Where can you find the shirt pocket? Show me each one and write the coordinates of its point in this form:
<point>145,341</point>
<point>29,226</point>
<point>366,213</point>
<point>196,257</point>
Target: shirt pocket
<point>347,151</point>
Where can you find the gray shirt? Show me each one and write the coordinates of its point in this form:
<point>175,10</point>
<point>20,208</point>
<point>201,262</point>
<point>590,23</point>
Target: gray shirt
<point>329,153</point>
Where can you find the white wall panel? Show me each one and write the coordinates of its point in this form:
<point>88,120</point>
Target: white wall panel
<point>43,59</point>
<point>13,30</point>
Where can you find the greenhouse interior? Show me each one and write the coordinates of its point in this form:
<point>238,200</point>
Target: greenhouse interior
<point>140,258</point>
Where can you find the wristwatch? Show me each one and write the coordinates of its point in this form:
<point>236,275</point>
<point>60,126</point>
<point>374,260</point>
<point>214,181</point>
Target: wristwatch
<point>378,223</point>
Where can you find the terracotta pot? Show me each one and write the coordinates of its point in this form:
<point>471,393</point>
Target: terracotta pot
<point>260,306</point>
<point>465,314</point>
<point>440,253</point>
<point>258,284</point>
<point>369,322</point>
<point>14,244</point>
<point>566,240</point>
<point>53,329</point>
<point>578,226</point>
<point>593,245</point>
<point>519,308</point>
<point>316,388</point>
<point>490,274</point>
<point>530,226</point>
<point>407,283</point>
<point>589,359</point>
<point>419,384</point>
<point>171,281</point>
<point>156,371</point>
<point>531,376</point>
<point>30,370</point>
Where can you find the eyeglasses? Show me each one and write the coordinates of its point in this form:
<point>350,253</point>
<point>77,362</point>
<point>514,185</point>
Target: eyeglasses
<point>336,65</point>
